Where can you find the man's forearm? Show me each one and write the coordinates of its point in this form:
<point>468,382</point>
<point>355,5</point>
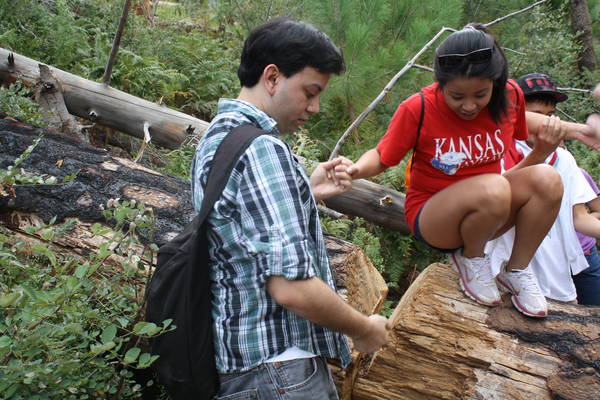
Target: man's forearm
<point>316,302</point>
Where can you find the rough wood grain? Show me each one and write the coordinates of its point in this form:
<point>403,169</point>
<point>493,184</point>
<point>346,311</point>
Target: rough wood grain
<point>446,346</point>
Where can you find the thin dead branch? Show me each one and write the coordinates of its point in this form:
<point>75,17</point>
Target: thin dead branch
<point>411,63</point>
<point>385,91</point>
<point>512,14</point>
<point>116,43</point>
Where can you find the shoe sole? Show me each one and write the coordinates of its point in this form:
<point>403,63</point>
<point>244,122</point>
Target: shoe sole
<point>464,288</point>
<point>516,302</point>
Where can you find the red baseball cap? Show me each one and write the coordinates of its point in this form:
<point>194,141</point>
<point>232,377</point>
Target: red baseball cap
<point>540,84</point>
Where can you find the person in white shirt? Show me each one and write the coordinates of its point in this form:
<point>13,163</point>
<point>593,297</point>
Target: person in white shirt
<point>560,255</point>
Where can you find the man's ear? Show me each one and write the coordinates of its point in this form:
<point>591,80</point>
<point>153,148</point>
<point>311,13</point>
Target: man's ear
<point>271,76</point>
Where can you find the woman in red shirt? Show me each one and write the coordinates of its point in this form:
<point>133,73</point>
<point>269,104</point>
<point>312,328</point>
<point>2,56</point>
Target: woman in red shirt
<point>458,200</point>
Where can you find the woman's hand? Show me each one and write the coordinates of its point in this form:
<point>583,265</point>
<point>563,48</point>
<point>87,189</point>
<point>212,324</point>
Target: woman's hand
<point>331,178</point>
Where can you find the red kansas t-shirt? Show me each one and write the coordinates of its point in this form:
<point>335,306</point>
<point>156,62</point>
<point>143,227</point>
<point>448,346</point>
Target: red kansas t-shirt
<point>449,148</point>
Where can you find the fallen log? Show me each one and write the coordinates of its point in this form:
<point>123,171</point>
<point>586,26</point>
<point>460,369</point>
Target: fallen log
<point>169,128</point>
<point>107,106</point>
<point>446,346</point>
<point>101,177</point>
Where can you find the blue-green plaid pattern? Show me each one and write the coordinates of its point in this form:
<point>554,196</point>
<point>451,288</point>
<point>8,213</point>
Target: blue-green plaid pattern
<point>265,223</point>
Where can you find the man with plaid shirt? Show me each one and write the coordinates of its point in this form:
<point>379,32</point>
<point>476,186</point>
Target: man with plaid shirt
<point>276,314</point>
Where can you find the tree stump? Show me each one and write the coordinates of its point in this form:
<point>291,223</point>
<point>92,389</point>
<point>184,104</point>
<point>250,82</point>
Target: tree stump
<point>446,346</point>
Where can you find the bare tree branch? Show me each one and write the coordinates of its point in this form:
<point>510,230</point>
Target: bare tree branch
<point>328,212</point>
<point>574,90</point>
<point>116,43</point>
<point>385,91</point>
<point>512,14</point>
<point>412,63</point>
<point>566,115</point>
<point>424,67</point>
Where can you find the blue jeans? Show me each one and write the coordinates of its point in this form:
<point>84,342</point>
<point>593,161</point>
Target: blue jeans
<point>305,378</point>
<point>587,282</point>
<point>301,379</point>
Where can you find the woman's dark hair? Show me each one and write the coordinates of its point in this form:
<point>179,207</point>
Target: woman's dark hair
<point>470,39</point>
<point>291,45</point>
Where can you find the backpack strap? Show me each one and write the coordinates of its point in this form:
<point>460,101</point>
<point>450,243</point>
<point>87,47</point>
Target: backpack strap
<point>227,155</point>
<point>422,116</point>
<point>516,91</point>
<point>409,166</point>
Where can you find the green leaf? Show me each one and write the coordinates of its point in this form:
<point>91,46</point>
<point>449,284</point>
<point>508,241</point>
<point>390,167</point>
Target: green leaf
<point>69,178</point>
<point>108,334</point>
<point>146,328</point>
<point>81,270</point>
<point>101,348</point>
<point>9,299</point>
<point>123,322</point>
<point>131,355</point>
<point>5,341</point>
<point>146,360</point>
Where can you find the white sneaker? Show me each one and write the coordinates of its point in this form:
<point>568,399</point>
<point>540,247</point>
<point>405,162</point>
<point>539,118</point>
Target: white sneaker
<point>526,294</point>
<point>476,279</point>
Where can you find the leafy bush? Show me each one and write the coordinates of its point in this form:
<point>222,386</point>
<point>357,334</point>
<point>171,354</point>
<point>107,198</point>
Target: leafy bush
<point>70,326</point>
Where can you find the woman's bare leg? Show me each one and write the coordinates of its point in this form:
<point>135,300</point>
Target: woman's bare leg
<point>536,195</point>
<point>467,213</point>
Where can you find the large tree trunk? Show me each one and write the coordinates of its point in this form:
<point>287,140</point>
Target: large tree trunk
<point>582,25</point>
<point>446,346</point>
<point>107,106</point>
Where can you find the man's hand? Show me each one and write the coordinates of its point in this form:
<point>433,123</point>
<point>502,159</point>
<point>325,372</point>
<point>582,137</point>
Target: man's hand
<point>331,178</point>
<point>375,336</point>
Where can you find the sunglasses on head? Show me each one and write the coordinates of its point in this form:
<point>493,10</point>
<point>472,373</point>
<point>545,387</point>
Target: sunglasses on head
<point>475,57</point>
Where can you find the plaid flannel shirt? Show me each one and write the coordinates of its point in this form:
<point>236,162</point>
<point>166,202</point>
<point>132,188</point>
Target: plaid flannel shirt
<point>265,223</point>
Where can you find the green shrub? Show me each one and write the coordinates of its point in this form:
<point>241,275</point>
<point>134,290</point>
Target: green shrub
<point>70,326</point>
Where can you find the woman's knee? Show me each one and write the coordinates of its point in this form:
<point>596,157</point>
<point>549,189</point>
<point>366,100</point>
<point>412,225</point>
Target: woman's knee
<point>494,194</point>
<point>545,181</point>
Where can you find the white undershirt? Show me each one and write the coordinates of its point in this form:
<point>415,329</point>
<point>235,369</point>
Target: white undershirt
<point>291,353</point>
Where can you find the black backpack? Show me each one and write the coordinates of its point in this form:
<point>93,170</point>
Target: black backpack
<point>180,289</point>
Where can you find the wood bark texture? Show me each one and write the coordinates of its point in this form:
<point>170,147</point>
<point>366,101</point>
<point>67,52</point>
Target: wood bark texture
<point>446,346</point>
<point>48,94</point>
<point>107,106</point>
<point>376,203</point>
<point>102,177</point>
<point>582,25</point>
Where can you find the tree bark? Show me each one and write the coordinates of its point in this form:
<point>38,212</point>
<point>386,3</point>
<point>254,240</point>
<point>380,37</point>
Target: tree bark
<point>446,346</point>
<point>48,94</point>
<point>582,25</point>
<point>107,106</point>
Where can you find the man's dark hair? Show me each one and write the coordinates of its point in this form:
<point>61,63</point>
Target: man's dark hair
<point>291,45</point>
<point>542,98</point>
<point>472,38</point>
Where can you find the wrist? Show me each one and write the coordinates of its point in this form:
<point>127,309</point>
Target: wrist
<point>363,328</point>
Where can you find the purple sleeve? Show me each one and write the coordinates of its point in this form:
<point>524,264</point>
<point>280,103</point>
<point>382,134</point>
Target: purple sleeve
<point>589,179</point>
